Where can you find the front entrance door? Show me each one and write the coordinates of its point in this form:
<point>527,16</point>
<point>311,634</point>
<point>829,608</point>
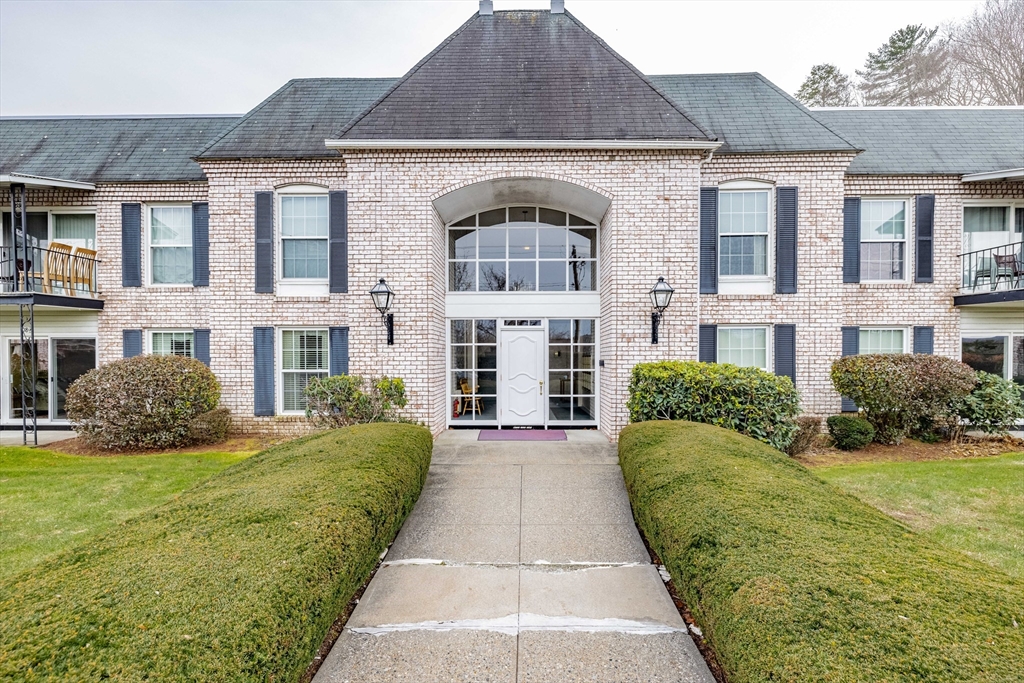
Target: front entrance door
<point>59,362</point>
<point>522,376</point>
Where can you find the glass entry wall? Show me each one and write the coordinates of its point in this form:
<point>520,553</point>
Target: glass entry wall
<point>476,385</point>
<point>59,362</point>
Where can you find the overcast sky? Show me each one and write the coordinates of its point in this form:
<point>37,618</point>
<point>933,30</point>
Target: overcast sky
<point>171,57</point>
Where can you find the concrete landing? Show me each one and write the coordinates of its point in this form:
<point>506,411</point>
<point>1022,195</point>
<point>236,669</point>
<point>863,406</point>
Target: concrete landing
<point>520,562</point>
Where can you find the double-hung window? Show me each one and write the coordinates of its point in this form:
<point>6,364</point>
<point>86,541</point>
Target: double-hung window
<point>304,235</point>
<point>304,355</point>
<point>743,224</point>
<point>172,343</point>
<point>882,341</point>
<point>743,346</point>
<point>170,245</point>
<point>883,239</point>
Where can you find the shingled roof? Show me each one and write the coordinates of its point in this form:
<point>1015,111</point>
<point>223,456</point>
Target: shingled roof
<point>750,114</point>
<point>295,120</point>
<point>523,75</point>
<point>108,150</point>
<point>930,140</point>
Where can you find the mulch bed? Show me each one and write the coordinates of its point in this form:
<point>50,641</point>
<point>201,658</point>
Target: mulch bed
<point>824,454</point>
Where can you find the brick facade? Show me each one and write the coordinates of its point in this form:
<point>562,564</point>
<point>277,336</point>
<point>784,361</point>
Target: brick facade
<point>650,230</point>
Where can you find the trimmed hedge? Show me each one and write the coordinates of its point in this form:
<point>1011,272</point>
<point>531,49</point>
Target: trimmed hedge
<point>747,400</point>
<point>237,579</point>
<point>793,580</point>
<point>850,433</point>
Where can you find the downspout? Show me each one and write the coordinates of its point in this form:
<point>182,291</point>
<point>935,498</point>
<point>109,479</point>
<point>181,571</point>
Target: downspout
<point>705,156</point>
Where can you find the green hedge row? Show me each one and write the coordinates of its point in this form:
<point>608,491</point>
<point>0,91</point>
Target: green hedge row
<point>238,579</point>
<point>793,580</point>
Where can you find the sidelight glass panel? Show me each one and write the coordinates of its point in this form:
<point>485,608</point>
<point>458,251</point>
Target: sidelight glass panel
<point>583,408</point>
<point>485,331</point>
<point>40,355</point>
<point>583,383</point>
<point>74,358</point>
<point>583,357</point>
<point>583,331</point>
<point>462,331</point>
<point>486,357</point>
<point>559,382</point>
<point>559,357</point>
<point>462,357</point>
<point>559,331</point>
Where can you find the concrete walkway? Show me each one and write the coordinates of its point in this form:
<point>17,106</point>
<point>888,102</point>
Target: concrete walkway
<point>520,562</point>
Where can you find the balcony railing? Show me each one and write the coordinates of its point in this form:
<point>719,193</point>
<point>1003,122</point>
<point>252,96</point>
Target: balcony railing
<point>993,269</point>
<point>57,269</point>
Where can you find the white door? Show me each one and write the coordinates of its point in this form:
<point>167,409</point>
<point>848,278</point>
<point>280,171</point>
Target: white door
<point>522,376</point>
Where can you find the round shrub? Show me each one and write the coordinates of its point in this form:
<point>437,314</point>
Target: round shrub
<point>850,433</point>
<point>747,400</point>
<point>896,392</point>
<point>994,406</point>
<point>142,402</point>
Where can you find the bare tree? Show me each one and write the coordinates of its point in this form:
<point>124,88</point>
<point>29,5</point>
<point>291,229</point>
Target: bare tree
<point>826,86</point>
<point>909,69</point>
<point>986,56</point>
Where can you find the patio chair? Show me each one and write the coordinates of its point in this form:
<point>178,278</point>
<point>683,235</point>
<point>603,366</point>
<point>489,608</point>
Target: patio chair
<point>1009,267</point>
<point>83,273</point>
<point>57,267</point>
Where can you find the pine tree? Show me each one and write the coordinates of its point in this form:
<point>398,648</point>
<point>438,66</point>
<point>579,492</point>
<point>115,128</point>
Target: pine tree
<point>907,70</point>
<point>826,86</point>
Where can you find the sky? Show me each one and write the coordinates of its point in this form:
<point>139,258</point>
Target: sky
<point>68,58</point>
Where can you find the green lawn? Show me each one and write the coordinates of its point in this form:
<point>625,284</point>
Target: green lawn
<point>50,501</point>
<point>975,506</point>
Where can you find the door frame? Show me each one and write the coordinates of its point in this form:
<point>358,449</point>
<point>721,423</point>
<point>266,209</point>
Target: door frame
<point>6,403</point>
<point>548,423</point>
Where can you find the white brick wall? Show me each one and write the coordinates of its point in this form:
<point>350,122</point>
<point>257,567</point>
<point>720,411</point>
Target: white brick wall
<point>650,230</point>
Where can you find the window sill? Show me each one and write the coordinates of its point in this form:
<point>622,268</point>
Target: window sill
<point>755,285</point>
<point>303,289</point>
<point>885,284</point>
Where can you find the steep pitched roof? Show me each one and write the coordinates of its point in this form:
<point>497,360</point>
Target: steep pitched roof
<point>931,140</point>
<point>750,113</point>
<point>295,120</point>
<point>523,75</point>
<point>108,150</point>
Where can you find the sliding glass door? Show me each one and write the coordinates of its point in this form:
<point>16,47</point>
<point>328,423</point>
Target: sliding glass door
<point>58,363</point>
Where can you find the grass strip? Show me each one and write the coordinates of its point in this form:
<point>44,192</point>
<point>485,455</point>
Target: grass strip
<point>238,579</point>
<point>793,580</point>
<point>50,501</point>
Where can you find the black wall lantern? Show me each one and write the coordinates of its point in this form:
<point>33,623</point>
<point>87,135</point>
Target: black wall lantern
<point>661,296</point>
<point>382,298</point>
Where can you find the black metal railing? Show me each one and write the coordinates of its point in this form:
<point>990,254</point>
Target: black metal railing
<point>57,269</point>
<point>993,269</point>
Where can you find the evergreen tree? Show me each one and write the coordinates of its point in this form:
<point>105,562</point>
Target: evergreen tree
<point>907,70</point>
<point>826,86</point>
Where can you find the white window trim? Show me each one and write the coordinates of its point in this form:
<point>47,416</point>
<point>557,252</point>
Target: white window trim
<point>173,330</point>
<point>907,334</point>
<point>298,287</point>
<point>908,238</point>
<point>279,363</point>
<point>748,284</point>
<point>769,342</point>
<point>597,260</point>
<point>147,248</point>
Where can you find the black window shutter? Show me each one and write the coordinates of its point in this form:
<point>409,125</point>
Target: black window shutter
<point>785,351</point>
<point>851,239</point>
<point>339,242</point>
<point>263,371</point>
<point>709,240</point>
<point>201,345</point>
<point>200,244</point>
<point>707,344</point>
<point>924,340</point>
<point>131,341</point>
<point>131,245</point>
<point>851,347</point>
<point>785,240</point>
<point>924,221</point>
<point>339,350</point>
<point>265,243</point>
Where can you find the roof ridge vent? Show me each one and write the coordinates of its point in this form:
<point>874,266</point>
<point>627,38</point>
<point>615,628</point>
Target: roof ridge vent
<point>558,6</point>
<point>486,8</point>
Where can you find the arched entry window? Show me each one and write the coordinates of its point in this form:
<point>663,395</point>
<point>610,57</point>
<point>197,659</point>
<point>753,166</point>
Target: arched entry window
<point>522,249</point>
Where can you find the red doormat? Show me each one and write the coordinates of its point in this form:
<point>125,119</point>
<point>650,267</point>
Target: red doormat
<point>521,435</point>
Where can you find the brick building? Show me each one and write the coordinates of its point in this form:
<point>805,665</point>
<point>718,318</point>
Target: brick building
<point>520,190</point>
